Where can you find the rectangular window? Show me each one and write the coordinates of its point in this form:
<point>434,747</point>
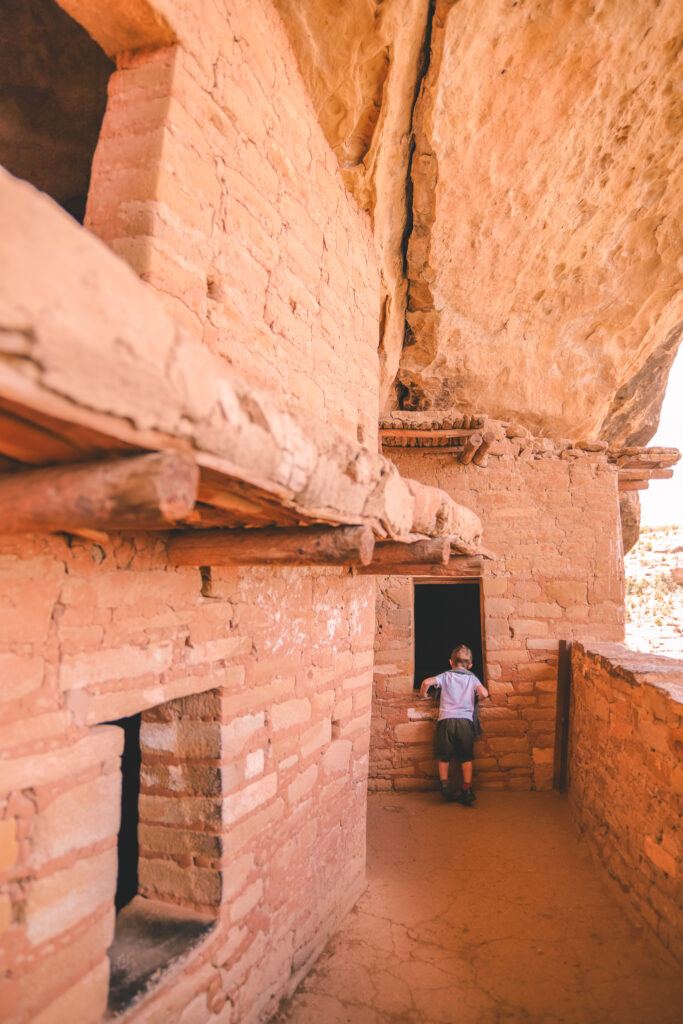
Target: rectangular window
<point>447,614</point>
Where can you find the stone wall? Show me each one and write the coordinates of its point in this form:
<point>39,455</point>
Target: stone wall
<point>626,776</point>
<point>213,180</point>
<point>558,574</point>
<point>268,678</point>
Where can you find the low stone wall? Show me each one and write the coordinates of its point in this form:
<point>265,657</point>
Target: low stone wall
<point>402,754</point>
<point>626,776</point>
<point>553,526</point>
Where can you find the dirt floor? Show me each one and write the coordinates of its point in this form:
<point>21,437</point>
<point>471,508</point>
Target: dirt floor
<point>482,916</point>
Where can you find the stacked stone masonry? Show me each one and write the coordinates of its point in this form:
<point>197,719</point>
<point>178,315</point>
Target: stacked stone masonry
<point>213,181</point>
<point>557,573</point>
<point>626,777</point>
<point>256,706</point>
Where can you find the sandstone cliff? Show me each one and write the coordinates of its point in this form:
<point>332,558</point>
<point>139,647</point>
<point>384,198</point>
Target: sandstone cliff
<point>522,166</point>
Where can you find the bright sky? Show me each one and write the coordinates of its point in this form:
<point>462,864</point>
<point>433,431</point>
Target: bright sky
<point>662,502</point>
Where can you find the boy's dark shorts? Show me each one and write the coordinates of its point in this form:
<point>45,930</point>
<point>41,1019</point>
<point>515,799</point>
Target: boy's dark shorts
<point>454,738</point>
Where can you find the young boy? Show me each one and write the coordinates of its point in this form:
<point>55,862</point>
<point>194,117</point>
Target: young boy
<point>455,728</point>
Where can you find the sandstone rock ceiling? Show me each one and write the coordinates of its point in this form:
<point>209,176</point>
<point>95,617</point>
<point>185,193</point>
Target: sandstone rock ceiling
<point>521,162</point>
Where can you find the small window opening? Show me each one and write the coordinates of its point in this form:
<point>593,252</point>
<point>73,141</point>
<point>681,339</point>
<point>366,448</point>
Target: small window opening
<point>128,849</point>
<point>53,94</point>
<point>446,614</point>
<point>165,904</point>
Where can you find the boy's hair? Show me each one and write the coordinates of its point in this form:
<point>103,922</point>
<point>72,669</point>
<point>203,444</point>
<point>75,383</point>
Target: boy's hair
<point>461,655</point>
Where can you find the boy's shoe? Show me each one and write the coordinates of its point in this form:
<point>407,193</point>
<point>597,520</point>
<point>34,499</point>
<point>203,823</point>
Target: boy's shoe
<point>447,795</point>
<point>466,797</point>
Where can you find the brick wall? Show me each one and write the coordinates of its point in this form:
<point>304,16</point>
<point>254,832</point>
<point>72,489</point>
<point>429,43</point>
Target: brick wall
<point>554,525</point>
<point>255,753</point>
<point>213,179</point>
<point>626,776</point>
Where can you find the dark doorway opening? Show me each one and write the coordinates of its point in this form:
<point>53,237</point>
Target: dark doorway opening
<point>128,849</point>
<point>446,614</point>
<point>53,94</point>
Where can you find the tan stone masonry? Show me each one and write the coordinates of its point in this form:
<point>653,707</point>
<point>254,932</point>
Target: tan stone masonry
<point>557,574</point>
<point>626,777</point>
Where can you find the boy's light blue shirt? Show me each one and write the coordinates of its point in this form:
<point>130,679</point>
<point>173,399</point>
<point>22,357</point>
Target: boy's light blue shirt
<point>458,687</point>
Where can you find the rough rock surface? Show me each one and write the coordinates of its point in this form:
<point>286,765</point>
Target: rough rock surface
<point>629,508</point>
<point>541,206</point>
<point>362,62</point>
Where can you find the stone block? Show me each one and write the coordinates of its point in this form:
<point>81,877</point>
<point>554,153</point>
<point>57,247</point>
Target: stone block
<point>20,676</point>
<point>77,818</point>
<point>528,627</point>
<point>247,902</point>
<point>254,764</point>
<point>83,1003</point>
<point>59,901</point>
<point>543,755</point>
<point>302,784</point>
<point>169,880</point>
<point>661,857</point>
<point>249,799</point>
<point>98,745</point>
<point>354,682</point>
<point>321,734</point>
<point>222,649</point>
<point>290,713</point>
<point>336,758</point>
<point>125,662</point>
<point>414,732</point>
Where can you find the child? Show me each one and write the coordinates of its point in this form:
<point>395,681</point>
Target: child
<point>455,728</point>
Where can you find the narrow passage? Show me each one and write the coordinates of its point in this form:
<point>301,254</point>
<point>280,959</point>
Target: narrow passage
<point>490,915</point>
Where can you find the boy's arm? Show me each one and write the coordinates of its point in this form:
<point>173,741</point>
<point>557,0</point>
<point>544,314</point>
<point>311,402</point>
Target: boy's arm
<point>426,683</point>
<point>482,692</point>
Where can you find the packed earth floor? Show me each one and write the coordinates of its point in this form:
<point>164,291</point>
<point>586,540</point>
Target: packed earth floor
<point>483,916</point>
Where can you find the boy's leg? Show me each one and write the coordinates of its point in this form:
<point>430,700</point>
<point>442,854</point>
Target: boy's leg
<point>443,770</point>
<point>465,749</point>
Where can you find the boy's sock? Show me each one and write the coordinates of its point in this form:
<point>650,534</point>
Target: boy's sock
<point>467,785</point>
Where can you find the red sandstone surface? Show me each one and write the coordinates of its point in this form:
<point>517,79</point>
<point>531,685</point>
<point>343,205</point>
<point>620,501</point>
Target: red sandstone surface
<point>229,298</point>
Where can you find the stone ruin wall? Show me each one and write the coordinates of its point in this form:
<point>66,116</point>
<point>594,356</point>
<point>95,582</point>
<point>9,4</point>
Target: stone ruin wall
<point>626,777</point>
<point>553,523</point>
<point>254,685</point>
<point>213,180</point>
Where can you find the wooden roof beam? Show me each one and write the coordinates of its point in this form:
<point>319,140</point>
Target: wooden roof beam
<point>146,492</point>
<point>302,546</point>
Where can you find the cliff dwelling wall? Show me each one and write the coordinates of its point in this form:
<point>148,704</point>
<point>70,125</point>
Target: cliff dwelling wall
<point>627,777</point>
<point>213,180</point>
<point>557,573</point>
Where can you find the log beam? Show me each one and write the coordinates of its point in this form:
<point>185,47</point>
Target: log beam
<point>390,556</point>
<point>480,457</point>
<point>457,566</point>
<point>633,485</point>
<point>472,444</point>
<point>313,545</point>
<point>146,492</point>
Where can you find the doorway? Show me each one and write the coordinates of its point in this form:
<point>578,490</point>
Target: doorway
<point>53,94</point>
<point>446,614</point>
